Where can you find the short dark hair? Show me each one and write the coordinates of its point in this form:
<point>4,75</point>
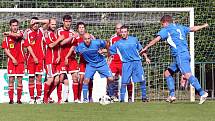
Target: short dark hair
<point>36,18</point>
<point>67,17</point>
<point>13,21</point>
<point>124,27</point>
<point>166,18</point>
<point>80,23</point>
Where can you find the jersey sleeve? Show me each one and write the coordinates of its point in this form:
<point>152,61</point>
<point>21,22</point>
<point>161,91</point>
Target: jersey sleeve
<point>139,46</point>
<point>49,38</point>
<point>27,40</point>
<point>102,43</point>
<point>74,42</point>
<point>186,29</point>
<point>4,43</point>
<point>77,49</point>
<point>113,49</point>
<point>163,34</point>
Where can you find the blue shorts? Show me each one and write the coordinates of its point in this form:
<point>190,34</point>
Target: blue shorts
<point>181,63</point>
<point>104,71</point>
<point>132,71</point>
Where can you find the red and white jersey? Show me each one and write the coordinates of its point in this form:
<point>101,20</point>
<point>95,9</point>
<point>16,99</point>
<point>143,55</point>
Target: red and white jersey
<point>114,39</point>
<point>35,39</point>
<point>15,46</point>
<point>51,53</point>
<point>66,47</point>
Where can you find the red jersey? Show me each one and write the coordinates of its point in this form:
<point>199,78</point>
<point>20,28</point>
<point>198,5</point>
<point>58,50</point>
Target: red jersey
<point>51,53</point>
<point>35,40</point>
<point>114,39</point>
<point>66,47</point>
<point>15,46</point>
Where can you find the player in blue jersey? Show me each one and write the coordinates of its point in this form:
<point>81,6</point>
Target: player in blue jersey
<point>175,35</point>
<point>91,50</point>
<point>128,49</point>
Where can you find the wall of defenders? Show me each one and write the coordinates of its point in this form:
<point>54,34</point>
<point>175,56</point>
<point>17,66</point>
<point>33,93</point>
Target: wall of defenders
<point>43,46</point>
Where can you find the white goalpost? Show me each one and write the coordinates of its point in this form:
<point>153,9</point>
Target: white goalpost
<point>143,22</point>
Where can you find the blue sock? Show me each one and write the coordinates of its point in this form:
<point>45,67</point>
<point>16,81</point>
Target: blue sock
<point>195,83</point>
<point>171,85</point>
<point>143,88</point>
<point>85,91</point>
<point>122,92</point>
<point>111,88</point>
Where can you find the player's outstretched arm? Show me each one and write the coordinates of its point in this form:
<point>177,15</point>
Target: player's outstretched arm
<point>151,43</point>
<point>51,45</point>
<point>196,28</point>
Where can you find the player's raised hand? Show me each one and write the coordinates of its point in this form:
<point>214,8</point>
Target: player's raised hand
<point>6,33</point>
<point>206,25</point>
<point>75,35</point>
<point>33,21</point>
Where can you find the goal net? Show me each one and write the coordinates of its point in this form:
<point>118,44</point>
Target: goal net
<point>143,23</point>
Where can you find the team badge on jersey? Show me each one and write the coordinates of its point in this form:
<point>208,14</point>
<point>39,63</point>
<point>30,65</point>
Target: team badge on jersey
<point>11,45</point>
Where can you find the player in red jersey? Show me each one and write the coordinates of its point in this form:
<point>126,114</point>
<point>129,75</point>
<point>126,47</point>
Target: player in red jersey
<point>68,63</point>
<point>13,47</point>
<point>52,61</point>
<point>34,42</point>
<point>116,64</point>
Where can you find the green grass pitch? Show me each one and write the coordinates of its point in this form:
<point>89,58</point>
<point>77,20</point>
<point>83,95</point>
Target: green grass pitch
<point>138,111</point>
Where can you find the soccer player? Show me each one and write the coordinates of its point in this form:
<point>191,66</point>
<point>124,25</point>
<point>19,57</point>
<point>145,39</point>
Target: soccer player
<point>35,59</point>
<point>13,47</point>
<point>128,48</point>
<point>81,29</point>
<point>175,35</point>
<point>68,63</point>
<point>91,52</point>
<point>52,61</point>
<point>116,63</point>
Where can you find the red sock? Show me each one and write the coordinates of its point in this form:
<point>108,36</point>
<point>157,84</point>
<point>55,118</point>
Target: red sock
<point>90,88</point>
<point>75,90</point>
<point>59,91</point>
<point>11,92</point>
<point>19,92</point>
<point>39,89</point>
<point>129,88</point>
<point>51,89</point>
<point>79,90</point>
<point>31,90</point>
<point>46,91</point>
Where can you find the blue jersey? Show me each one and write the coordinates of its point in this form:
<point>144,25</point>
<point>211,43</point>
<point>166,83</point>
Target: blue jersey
<point>128,49</point>
<point>175,35</point>
<point>91,54</point>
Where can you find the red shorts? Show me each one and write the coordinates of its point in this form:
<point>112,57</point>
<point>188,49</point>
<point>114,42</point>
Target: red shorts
<point>52,70</point>
<point>35,68</point>
<point>17,70</point>
<point>116,68</point>
<point>72,66</point>
<point>82,67</point>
